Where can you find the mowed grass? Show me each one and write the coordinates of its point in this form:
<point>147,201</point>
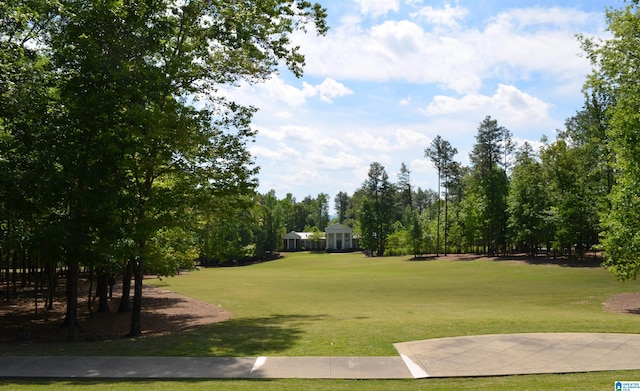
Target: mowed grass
<point>569,382</point>
<point>349,305</point>
<point>346,304</point>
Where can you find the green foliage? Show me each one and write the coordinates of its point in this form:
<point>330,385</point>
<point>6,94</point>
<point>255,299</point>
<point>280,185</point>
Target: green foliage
<point>490,183</point>
<point>112,124</point>
<point>441,154</point>
<point>527,201</point>
<point>376,214</point>
<point>310,212</point>
<point>575,208</point>
<point>615,75</point>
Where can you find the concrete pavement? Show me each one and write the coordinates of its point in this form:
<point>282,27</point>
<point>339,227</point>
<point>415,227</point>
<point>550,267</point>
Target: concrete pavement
<point>485,355</point>
<point>519,354</point>
<point>205,367</point>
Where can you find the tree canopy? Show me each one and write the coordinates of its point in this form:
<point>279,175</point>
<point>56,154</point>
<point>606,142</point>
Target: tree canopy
<point>615,75</point>
<point>125,126</point>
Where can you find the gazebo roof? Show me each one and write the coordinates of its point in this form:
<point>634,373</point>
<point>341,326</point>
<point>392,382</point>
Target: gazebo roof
<point>338,228</point>
<point>298,235</point>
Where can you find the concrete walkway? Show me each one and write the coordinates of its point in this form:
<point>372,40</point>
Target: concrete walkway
<point>485,355</point>
<point>511,354</point>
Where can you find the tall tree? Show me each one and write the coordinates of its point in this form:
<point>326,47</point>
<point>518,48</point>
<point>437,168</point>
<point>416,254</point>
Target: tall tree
<point>405,191</point>
<point>441,154</point>
<point>491,181</point>
<point>319,213</point>
<point>452,173</point>
<point>615,64</point>
<point>341,205</point>
<point>376,217</point>
<point>527,201</point>
<point>575,211</point>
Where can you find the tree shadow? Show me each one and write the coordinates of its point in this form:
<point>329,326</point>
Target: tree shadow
<point>239,337</point>
<point>20,323</point>
<point>587,262</point>
<point>422,258</point>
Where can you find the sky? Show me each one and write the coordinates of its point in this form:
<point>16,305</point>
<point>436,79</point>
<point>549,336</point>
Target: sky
<point>391,75</point>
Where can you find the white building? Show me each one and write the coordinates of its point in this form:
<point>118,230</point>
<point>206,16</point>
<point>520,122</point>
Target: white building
<point>302,241</point>
<point>339,237</point>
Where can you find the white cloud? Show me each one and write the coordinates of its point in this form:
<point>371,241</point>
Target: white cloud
<point>378,7</point>
<point>457,64</point>
<point>507,103</point>
<point>410,140</point>
<point>310,138</point>
<point>515,44</point>
<point>266,132</point>
<point>276,91</point>
<point>387,140</point>
<point>276,88</point>
<point>261,151</point>
<point>301,176</point>
<point>405,102</point>
<point>554,17</point>
<point>330,89</point>
<point>397,38</point>
<point>339,161</point>
<point>447,16</point>
<point>368,141</point>
<point>283,115</point>
<point>280,152</point>
<point>421,165</point>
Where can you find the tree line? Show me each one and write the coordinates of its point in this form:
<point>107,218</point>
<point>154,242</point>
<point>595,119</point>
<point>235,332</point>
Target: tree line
<point>506,200</point>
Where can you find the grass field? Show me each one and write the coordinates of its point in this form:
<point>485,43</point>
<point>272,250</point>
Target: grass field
<point>348,305</point>
<point>321,304</point>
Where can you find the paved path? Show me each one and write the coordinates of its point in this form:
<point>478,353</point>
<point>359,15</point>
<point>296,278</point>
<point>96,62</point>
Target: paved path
<point>485,355</point>
<point>510,354</point>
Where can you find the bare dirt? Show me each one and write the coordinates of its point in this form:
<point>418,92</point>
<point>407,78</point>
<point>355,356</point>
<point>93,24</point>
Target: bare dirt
<point>625,303</point>
<point>164,312</point>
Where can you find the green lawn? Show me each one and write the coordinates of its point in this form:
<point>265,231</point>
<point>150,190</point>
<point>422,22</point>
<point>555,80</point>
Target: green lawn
<point>321,304</point>
<point>348,305</point>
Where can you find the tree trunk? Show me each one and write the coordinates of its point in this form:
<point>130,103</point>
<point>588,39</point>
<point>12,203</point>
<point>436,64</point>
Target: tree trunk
<point>6,278</point>
<point>125,305</point>
<point>136,325</point>
<point>446,217</point>
<point>102,291</point>
<point>71,317</point>
<point>438,225</point>
<point>52,274</point>
<point>89,301</point>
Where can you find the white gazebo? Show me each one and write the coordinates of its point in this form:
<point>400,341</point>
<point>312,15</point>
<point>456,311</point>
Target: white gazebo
<point>302,240</point>
<point>339,237</point>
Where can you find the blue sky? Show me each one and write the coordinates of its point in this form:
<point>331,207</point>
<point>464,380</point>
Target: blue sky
<point>391,75</point>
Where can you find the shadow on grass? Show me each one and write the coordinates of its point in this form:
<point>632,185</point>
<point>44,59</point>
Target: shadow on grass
<point>587,262</point>
<point>423,258</point>
<point>239,337</point>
